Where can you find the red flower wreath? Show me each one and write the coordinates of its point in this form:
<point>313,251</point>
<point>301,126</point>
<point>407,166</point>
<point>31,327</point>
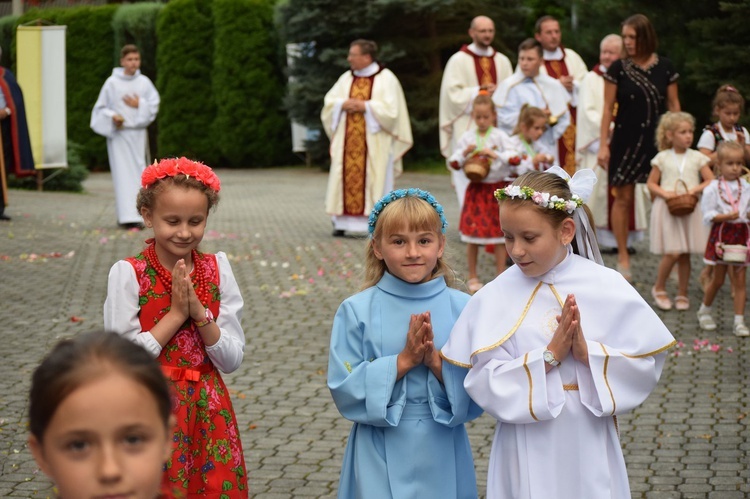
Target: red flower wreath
<point>171,167</point>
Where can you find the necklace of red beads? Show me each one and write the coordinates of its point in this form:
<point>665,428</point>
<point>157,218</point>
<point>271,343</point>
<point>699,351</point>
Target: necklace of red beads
<point>198,276</point>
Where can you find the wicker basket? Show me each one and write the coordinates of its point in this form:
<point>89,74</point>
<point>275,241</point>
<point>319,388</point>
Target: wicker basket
<point>477,167</point>
<point>682,204</point>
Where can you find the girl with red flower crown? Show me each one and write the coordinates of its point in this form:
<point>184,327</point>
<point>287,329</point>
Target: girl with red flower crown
<point>184,307</point>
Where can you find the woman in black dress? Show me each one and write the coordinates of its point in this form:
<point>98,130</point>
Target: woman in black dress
<point>644,86</point>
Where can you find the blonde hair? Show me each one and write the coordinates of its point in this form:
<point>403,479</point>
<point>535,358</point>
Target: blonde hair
<point>527,116</point>
<point>726,147</point>
<point>413,214</point>
<point>668,123</point>
<point>554,185</point>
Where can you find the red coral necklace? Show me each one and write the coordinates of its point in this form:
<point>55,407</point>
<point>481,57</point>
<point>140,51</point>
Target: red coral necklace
<point>199,278</point>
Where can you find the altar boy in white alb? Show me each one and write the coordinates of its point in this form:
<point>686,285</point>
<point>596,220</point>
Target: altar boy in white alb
<point>529,86</point>
<point>572,346</point>
<point>127,104</point>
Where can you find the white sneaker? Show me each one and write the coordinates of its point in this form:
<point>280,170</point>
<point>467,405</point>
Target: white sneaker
<point>741,330</point>
<point>706,322</point>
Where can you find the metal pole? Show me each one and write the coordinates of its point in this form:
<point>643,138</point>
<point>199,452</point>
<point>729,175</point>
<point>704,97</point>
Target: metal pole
<point>17,7</point>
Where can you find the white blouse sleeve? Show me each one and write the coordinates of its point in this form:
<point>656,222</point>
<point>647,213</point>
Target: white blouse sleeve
<point>710,203</point>
<point>706,141</point>
<point>227,353</point>
<point>121,308</point>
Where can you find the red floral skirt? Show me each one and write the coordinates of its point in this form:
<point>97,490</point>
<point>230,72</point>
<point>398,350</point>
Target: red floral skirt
<point>480,216</point>
<point>207,458</point>
<point>730,234</point>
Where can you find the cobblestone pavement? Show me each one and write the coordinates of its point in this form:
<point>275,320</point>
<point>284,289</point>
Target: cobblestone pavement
<point>689,440</point>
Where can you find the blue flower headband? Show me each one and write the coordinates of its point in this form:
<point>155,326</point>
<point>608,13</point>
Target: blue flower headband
<point>402,193</point>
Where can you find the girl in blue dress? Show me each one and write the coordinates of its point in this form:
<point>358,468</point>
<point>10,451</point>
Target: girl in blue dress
<point>385,372</point>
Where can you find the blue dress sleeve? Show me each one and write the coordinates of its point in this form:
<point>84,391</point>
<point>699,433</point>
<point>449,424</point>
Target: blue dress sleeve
<point>364,387</point>
<point>449,402</point>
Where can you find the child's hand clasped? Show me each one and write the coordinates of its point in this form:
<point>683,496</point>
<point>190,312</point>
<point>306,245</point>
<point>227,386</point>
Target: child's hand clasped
<point>568,336</point>
<point>420,347</point>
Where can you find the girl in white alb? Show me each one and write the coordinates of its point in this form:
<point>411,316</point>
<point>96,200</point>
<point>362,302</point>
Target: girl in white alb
<point>572,346</point>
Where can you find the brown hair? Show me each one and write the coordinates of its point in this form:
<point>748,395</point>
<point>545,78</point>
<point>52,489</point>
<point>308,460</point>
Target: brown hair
<point>646,41</point>
<point>542,20</point>
<point>531,44</point>
<point>727,95</point>
<point>727,147</point>
<point>414,214</point>
<point>554,185</point>
<point>483,100</point>
<point>669,122</point>
<point>527,116</point>
<point>128,49</point>
<point>74,362</point>
<point>147,195</point>
<point>368,47</point>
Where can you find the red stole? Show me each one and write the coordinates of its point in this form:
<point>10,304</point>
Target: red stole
<point>484,66</point>
<point>566,145</point>
<point>355,149</point>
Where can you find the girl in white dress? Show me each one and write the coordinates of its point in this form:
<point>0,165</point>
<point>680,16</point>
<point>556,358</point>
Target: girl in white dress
<point>675,170</point>
<point>532,153</point>
<point>557,346</point>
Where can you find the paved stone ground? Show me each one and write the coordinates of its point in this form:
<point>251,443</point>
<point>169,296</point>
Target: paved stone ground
<point>689,440</point>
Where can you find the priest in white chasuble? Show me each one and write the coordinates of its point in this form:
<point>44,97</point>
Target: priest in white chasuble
<point>367,121</point>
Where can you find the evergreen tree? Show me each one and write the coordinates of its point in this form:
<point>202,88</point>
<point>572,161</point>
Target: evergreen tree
<point>718,43</point>
<point>416,38</point>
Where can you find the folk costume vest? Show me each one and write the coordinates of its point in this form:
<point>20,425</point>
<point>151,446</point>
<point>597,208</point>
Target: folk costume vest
<point>207,458</point>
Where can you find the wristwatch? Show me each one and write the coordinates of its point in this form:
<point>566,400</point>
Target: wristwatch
<point>209,319</point>
<point>550,359</point>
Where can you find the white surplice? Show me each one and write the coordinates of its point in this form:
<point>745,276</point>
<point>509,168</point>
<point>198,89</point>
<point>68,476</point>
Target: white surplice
<point>543,92</point>
<point>388,136</point>
<point>127,146</point>
<point>557,435</point>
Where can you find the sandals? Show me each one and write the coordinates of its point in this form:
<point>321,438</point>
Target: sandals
<point>474,285</point>
<point>661,299</point>
<point>681,302</point>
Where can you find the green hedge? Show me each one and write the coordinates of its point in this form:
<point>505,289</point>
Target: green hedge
<point>88,64</point>
<point>136,24</point>
<point>7,35</point>
<point>251,127</point>
<point>184,57</point>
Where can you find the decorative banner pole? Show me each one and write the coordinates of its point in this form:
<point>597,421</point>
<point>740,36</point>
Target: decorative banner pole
<point>41,74</point>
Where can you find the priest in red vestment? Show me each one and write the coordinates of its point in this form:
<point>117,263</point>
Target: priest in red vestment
<point>567,66</point>
<point>474,67</point>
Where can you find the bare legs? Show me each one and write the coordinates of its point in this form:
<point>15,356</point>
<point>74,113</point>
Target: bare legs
<point>738,285</point>
<point>472,252</point>
<point>665,268</point>
<point>620,218</point>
